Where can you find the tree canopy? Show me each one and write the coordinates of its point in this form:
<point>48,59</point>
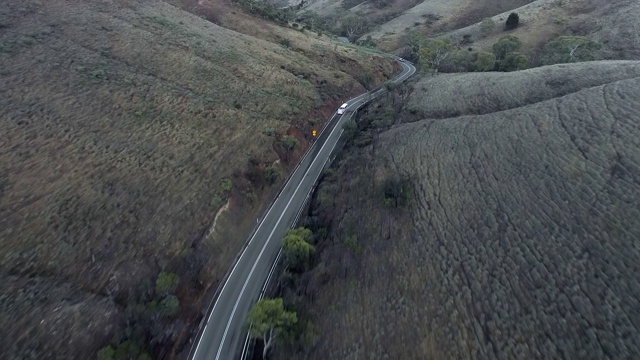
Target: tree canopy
<point>512,21</point>
<point>268,320</point>
<point>566,49</point>
<point>515,61</point>
<point>166,282</point>
<point>353,25</point>
<point>485,61</point>
<point>505,45</point>
<point>486,26</point>
<point>433,52</point>
<point>296,248</point>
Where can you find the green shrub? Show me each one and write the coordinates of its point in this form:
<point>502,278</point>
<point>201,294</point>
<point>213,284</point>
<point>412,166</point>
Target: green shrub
<point>351,242</point>
<point>106,353</point>
<point>366,79</point>
<point>350,129</point>
<point>166,282</point>
<point>486,26</point>
<point>289,142</point>
<point>303,232</point>
<point>296,249</point>
<point>390,85</point>
<point>459,61</point>
<point>567,49</point>
<point>128,350</point>
<point>396,191</point>
<point>485,61</point>
<point>286,43</point>
<point>169,305</point>
<point>512,21</point>
<point>515,61</point>
<point>272,173</point>
<point>506,45</point>
<point>226,185</point>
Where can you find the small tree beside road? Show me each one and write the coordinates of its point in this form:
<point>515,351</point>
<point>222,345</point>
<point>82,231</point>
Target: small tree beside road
<point>296,248</point>
<point>268,320</point>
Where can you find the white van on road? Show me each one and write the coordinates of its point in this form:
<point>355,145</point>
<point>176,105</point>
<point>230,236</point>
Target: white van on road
<point>342,108</point>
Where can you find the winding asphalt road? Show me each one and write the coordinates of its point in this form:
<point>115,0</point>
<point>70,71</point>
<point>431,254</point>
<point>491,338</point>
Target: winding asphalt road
<point>225,332</point>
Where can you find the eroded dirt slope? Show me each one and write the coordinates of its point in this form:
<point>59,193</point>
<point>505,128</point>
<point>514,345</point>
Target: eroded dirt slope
<point>519,240</point>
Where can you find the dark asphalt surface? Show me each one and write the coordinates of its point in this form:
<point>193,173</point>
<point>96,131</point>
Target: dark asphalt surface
<point>225,332</point>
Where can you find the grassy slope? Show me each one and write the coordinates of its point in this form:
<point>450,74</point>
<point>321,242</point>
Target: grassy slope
<point>450,95</point>
<point>612,24</point>
<point>434,17</point>
<point>519,240</point>
<point>119,122</point>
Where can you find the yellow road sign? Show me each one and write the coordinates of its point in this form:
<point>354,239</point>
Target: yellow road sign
<point>314,133</point>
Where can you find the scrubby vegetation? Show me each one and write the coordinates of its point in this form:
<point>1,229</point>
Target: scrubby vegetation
<point>520,227</point>
<point>440,55</point>
<point>143,139</point>
<point>513,20</point>
<point>567,49</point>
<point>297,250</point>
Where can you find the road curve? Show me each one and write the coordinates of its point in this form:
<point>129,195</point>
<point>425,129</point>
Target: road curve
<point>224,331</point>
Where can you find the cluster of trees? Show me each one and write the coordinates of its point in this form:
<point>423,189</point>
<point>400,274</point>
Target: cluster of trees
<point>566,49</point>
<point>508,55</point>
<point>441,55</point>
<point>144,320</point>
<point>351,25</point>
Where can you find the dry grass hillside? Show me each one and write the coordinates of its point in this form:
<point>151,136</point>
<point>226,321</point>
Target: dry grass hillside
<point>130,129</point>
<point>612,23</point>
<point>507,235</point>
<point>450,95</point>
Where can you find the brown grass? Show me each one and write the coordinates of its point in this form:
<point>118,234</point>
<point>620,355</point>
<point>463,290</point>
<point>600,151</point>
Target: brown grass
<point>520,233</point>
<point>119,124</point>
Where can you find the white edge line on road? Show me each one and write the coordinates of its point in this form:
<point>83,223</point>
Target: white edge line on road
<point>401,78</point>
<point>245,347</point>
<point>254,235</point>
<point>235,307</point>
